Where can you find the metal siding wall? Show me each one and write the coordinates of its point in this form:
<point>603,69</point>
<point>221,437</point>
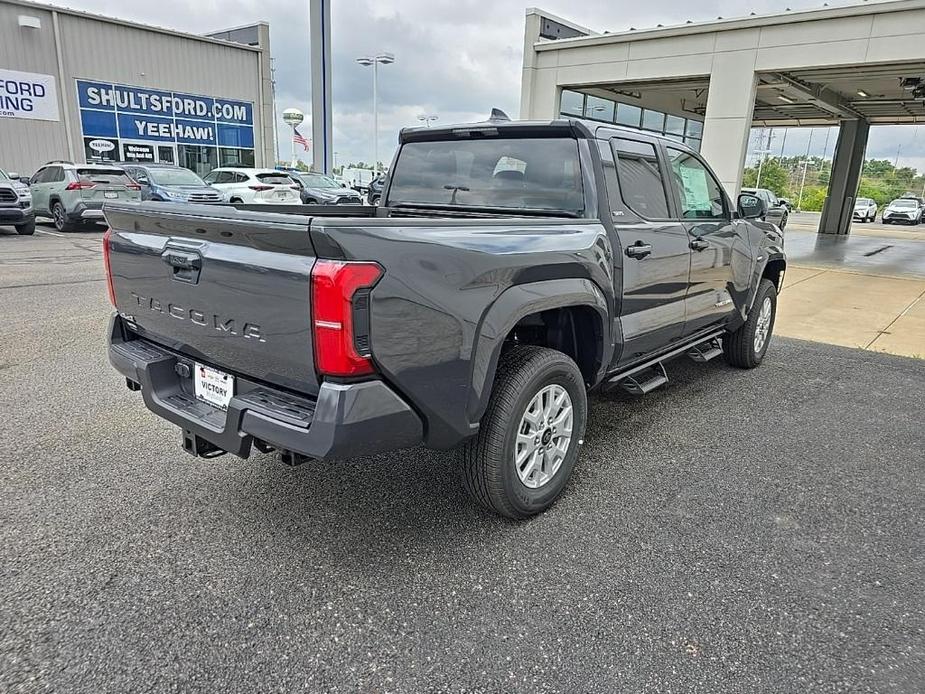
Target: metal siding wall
<point>25,144</point>
<point>111,52</point>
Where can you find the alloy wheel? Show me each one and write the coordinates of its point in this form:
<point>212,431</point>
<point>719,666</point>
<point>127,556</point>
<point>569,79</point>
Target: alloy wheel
<point>763,325</point>
<point>543,436</point>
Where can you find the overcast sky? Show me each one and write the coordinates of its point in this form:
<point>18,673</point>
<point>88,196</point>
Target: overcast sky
<point>454,58</point>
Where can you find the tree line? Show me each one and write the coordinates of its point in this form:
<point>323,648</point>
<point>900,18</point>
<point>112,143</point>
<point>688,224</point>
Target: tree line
<point>880,180</point>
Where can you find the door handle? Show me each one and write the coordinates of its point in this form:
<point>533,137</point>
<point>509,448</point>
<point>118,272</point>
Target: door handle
<point>185,266</point>
<point>638,250</point>
<point>699,245</point>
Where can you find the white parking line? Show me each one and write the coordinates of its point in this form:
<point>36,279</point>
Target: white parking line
<point>50,233</point>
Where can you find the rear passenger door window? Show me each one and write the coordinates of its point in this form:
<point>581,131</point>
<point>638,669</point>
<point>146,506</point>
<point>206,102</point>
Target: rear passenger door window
<point>641,184</point>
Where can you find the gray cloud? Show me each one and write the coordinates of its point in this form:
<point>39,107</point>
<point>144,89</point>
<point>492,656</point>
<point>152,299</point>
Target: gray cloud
<point>454,58</point>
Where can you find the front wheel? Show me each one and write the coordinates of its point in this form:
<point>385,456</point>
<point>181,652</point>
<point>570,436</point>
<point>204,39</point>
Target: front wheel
<point>521,459</point>
<point>746,347</point>
<point>26,229</point>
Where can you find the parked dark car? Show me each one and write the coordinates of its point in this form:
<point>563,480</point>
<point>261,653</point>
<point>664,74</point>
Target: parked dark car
<point>510,267</point>
<point>318,189</point>
<point>170,183</point>
<point>375,190</point>
<point>778,213</point>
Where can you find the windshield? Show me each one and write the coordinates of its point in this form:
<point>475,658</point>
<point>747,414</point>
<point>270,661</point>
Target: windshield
<point>112,176</point>
<point>3,176</point>
<point>318,181</point>
<point>904,203</point>
<point>863,202</point>
<point>510,174</point>
<point>274,179</point>
<point>174,177</point>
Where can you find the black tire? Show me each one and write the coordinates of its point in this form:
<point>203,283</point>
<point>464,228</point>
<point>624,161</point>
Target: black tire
<point>59,217</point>
<point>783,222</point>
<point>739,347</point>
<point>236,201</point>
<point>26,229</point>
<point>489,471</point>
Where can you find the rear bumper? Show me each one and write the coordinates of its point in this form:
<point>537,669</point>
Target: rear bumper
<point>346,420</point>
<point>83,211</point>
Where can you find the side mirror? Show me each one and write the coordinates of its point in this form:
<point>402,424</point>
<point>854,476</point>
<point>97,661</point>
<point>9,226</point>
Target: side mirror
<point>13,176</point>
<point>25,180</point>
<point>751,206</point>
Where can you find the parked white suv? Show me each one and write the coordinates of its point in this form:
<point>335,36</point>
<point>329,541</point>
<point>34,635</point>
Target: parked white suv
<point>254,186</point>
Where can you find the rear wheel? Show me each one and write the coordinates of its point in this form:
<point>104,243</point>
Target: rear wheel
<point>59,217</point>
<point>236,201</point>
<point>526,448</point>
<point>746,347</point>
<point>26,229</point>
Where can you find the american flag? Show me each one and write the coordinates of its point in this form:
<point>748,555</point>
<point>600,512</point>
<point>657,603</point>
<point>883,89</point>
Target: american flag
<point>299,140</point>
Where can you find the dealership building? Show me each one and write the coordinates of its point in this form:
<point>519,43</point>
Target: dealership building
<point>81,87</point>
<point>852,65</point>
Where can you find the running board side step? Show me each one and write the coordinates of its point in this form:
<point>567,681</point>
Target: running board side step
<point>705,351</point>
<point>645,381</point>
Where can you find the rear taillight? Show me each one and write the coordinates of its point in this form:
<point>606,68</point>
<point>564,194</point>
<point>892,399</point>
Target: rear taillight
<point>340,316</point>
<point>108,266</point>
<point>79,185</point>
<point>295,187</point>
<point>133,186</point>
<point>260,188</point>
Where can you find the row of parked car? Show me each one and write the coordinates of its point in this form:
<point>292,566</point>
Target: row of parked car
<point>73,194</point>
<point>909,209</point>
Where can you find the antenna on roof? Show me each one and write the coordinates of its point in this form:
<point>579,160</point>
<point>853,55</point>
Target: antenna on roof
<point>498,114</point>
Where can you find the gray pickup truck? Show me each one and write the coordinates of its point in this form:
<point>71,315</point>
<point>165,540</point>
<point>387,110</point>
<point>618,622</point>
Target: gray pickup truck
<point>510,268</point>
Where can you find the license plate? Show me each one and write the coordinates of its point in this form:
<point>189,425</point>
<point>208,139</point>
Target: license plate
<point>282,195</point>
<point>110,194</point>
<point>214,387</point>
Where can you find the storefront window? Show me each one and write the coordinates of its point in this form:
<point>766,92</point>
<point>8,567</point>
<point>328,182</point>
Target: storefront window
<point>653,120</point>
<point>229,156</point>
<point>674,125</point>
<point>597,108</point>
<point>628,115</point>
<point>197,158</point>
<point>573,103</point>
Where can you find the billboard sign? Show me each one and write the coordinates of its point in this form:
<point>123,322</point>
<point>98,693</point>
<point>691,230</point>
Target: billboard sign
<point>28,95</point>
<point>139,113</point>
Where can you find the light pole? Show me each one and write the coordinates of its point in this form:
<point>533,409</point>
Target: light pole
<point>760,152</point>
<point>385,59</point>
<point>427,120</point>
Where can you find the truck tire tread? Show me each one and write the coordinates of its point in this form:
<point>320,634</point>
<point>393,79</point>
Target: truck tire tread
<point>738,346</point>
<point>483,457</point>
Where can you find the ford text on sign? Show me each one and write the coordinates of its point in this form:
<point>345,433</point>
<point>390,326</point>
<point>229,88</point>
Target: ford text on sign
<point>28,95</point>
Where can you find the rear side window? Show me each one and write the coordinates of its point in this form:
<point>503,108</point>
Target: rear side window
<point>530,174</point>
<point>272,179</point>
<point>641,184</point>
<point>105,176</point>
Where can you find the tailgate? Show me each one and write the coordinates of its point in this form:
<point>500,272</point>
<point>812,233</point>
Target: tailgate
<point>225,287</point>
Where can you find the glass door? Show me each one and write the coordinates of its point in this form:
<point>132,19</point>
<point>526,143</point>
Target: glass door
<point>166,154</point>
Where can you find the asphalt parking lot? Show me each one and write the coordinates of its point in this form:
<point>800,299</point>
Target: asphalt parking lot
<point>752,531</point>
